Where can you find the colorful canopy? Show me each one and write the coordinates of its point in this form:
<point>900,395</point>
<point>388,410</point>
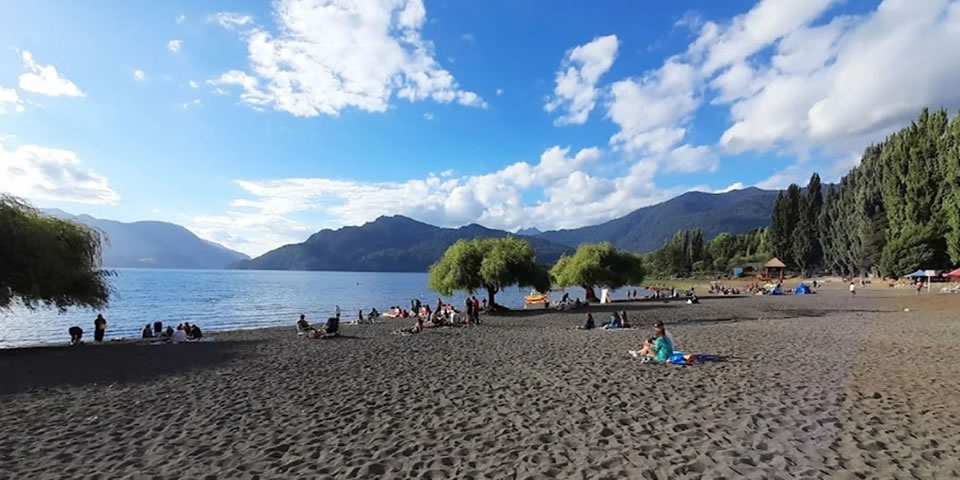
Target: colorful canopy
<point>955,273</point>
<point>917,274</point>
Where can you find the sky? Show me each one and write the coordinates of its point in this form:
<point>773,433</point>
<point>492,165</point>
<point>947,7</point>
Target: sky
<point>255,124</point>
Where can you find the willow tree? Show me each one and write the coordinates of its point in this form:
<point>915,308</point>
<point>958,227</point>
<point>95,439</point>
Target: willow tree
<point>598,265</point>
<point>48,261</point>
<point>491,264</point>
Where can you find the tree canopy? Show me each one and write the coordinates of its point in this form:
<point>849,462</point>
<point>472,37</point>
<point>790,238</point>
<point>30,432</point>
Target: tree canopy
<point>48,261</point>
<point>487,263</point>
<point>897,211</point>
<point>598,265</point>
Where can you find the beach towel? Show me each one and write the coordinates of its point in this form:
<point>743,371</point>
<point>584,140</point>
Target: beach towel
<point>681,358</point>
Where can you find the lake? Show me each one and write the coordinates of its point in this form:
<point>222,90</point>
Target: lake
<point>232,299</point>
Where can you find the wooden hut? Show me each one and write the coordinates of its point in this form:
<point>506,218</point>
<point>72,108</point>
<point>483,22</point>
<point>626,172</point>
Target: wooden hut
<point>774,269</point>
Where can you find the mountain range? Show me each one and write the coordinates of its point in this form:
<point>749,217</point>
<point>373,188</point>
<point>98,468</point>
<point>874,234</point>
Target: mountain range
<point>646,229</point>
<point>401,244</point>
<point>387,244</point>
<point>154,244</point>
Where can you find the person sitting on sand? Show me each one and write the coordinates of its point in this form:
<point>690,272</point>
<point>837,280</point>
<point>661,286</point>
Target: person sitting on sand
<point>589,325</point>
<point>168,332</point>
<point>147,331</point>
<point>179,336</point>
<point>359,317</point>
<point>614,323</point>
<point>76,333</point>
<point>658,349</point>
<point>303,325</point>
<point>624,322</point>
<point>373,313</point>
<point>195,332</point>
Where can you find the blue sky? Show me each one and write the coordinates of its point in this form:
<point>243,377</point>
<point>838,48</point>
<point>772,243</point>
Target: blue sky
<point>255,124</point>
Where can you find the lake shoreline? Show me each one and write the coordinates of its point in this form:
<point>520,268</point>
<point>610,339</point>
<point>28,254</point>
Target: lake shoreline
<point>520,395</point>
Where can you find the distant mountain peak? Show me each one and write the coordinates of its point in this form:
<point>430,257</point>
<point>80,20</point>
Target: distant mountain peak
<point>530,232</point>
<point>152,243</point>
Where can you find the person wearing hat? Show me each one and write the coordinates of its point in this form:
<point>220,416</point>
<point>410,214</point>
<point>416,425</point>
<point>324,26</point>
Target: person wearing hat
<point>659,348</point>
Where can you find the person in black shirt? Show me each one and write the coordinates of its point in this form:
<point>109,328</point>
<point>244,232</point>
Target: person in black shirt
<point>195,332</point>
<point>147,331</point>
<point>76,333</point>
<point>100,327</point>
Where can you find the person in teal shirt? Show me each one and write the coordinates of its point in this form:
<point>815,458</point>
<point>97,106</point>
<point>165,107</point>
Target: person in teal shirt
<point>658,349</point>
<point>662,346</point>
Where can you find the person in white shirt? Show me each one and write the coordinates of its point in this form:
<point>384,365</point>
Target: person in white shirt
<point>179,336</point>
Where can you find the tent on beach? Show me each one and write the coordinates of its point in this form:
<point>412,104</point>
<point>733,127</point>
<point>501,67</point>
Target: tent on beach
<point>917,274</point>
<point>954,275</point>
<point>802,289</point>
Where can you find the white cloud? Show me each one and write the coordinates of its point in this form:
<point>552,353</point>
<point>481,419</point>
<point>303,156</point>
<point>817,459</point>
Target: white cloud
<point>428,116</point>
<point>749,33</point>
<point>45,80</point>
<point>174,45</point>
<point>571,197</point>
<point>848,82</point>
<point>783,178</point>
<point>10,96</point>
<point>576,92</point>
<point>181,18</point>
<point>690,159</point>
<point>42,173</point>
<point>327,56</point>
<point>468,37</point>
<point>194,103</point>
<point>499,92</point>
<point>652,111</point>
<point>731,187</point>
<point>231,20</point>
<point>139,76</point>
<point>193,84</point>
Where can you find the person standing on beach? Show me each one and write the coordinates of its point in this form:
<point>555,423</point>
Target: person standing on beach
<point>468,309</point>
<point>338,311</point>
<point>853,289</point>
<point>476,310</point>
<point>99,328</point>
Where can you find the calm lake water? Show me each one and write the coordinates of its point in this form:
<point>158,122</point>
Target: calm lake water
<point>231,299</point>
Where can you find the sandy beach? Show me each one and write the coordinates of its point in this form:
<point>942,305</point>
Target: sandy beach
<point>817,386</point>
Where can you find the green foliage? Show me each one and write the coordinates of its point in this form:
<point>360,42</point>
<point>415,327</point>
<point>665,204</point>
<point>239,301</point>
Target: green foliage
<point>805,249</point>
<point>899,210</point>
<point>487,263</point>
<point>688,254</point>
<point>48,261</point>
<point>599,265</point>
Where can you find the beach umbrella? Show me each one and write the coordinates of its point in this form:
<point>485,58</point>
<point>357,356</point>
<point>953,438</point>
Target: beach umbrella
<point>917,274</point>
<point>954,274</point>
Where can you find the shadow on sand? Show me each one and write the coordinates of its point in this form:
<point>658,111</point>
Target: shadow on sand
<point>28,369</point>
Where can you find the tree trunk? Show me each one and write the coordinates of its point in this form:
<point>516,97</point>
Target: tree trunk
<point>491,291</point>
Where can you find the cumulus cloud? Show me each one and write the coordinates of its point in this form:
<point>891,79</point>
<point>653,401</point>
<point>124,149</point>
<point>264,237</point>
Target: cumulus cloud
<point>45,79</point>
<point>193,84</point>
<point>850,81</point>
<point>180,18</point>
<point>570,197</point>
<point>139,75</point>
<point>174,45</point>
<point>652,111</point>
<point>330,55</point>
<point>576,91</point>
<point>42,173</point>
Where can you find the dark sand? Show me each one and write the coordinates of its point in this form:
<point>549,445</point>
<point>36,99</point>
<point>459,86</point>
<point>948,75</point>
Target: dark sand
<point>816,386</point>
